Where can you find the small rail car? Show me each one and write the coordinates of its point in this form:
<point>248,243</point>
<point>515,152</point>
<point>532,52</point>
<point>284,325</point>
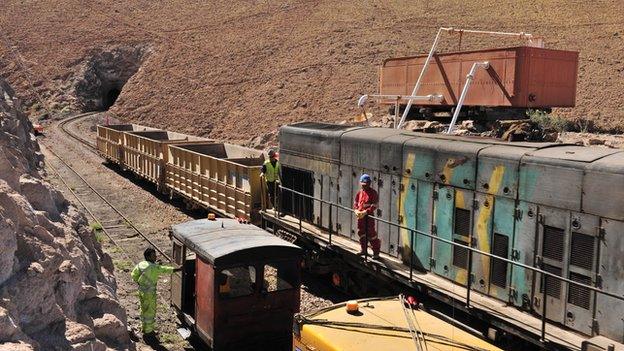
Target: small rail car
<point>388,324</point>
<point>517,78</point>
<point>239,286</point>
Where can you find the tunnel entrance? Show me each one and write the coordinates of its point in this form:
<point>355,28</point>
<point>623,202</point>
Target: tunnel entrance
<point>109,98</point>
<point>104,74</point>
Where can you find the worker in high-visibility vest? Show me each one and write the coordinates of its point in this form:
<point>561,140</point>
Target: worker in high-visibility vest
<point>271,171</point>
<point>146,274</point>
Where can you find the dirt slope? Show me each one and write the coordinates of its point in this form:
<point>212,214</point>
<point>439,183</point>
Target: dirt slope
<point>238,68</point>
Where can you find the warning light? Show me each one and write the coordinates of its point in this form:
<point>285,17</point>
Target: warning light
<point>211,217</point>
<point>352,306</point>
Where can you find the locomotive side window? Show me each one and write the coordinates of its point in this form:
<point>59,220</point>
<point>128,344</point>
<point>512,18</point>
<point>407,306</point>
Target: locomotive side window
<point>236,281</point>
<point>278,276</point>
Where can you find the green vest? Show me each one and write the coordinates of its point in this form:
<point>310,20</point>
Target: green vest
<point>272,173</point>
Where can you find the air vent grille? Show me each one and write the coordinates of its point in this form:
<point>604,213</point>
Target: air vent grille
<point>462,222</point>
<point>577,295</point>
<point>553,285</point>
<point>582,253</point>
<point>552,246</point>
<point>500,248</point>
<point>460,255</point>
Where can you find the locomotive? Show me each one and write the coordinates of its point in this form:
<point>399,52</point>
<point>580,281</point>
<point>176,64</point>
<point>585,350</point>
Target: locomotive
<point>450,206</point>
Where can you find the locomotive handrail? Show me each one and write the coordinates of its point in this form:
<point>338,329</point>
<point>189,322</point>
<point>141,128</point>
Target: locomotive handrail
<point>534,269</point>
<point>544,274</point>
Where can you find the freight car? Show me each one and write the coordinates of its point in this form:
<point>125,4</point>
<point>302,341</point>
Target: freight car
<point>222,177</point>
<point>450,205</point>
<point>517,79</point>
<point>239,286</point>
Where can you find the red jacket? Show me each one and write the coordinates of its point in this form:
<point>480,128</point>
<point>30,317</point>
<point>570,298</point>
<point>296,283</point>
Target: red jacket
<point>366,200</point>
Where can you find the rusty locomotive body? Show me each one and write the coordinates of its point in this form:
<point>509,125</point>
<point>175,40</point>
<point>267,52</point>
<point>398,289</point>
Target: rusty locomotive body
<point>518,78</point>
<point>239,286</point>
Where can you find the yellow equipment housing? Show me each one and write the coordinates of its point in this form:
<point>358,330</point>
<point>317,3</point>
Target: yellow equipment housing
<point>379,324</point>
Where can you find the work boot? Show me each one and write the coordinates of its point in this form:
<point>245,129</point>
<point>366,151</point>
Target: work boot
<point>150,337</point>
<point>376,256</point>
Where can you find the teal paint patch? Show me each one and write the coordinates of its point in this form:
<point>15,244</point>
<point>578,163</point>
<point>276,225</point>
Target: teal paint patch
<point>422,243</point>
<point>504,209</point>
<point>528,182</point>
<point>463,172</point>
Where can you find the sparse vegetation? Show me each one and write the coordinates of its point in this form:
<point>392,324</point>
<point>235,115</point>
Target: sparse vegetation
<point>123,265</point>
<point>547,121</point>
<point>96,226</point>
<point>97,230</point>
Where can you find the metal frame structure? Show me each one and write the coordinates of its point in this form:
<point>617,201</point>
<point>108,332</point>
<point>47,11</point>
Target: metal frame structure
<point>531,39</point>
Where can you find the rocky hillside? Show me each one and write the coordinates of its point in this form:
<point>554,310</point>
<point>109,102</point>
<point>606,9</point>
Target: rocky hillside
<point>236,69</point>
<point>57,289</point>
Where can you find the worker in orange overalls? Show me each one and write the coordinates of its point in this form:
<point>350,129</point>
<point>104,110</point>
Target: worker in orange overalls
<point>365,205</point>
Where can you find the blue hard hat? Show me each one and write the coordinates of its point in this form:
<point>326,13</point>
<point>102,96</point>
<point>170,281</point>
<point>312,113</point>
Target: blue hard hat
<point>365,178</point>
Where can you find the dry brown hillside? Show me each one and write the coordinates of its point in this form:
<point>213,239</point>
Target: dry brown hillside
<point>234,69</point>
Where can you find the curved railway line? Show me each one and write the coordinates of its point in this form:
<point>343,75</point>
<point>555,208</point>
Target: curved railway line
<point>110,220</point>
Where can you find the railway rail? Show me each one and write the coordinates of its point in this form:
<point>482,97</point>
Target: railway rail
<point>113,222</point>
<point>63,126</point>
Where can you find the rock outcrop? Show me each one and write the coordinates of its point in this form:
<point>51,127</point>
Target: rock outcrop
<point>57,288</point>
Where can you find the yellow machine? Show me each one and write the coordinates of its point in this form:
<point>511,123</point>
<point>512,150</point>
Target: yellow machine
<point>388,324</point>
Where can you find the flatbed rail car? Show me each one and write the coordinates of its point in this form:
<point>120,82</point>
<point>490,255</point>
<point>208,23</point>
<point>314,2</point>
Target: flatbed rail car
<point>239,286</point>
<point>513,227</point>
<point>518,77</point>
<point>388,324</point>
<point>218,176</point>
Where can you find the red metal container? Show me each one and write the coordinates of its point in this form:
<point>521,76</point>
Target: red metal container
<point>521,77</point>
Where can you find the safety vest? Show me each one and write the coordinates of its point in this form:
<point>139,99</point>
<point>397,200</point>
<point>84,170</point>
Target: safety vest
<point>146,275</point>
<point>272,173</point>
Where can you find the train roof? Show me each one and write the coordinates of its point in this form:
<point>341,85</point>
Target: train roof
<point>226,241</point>
<point>381,324</point>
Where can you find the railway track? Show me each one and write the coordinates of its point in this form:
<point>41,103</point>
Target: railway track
<point>63,126</point>
<point>107,218</point>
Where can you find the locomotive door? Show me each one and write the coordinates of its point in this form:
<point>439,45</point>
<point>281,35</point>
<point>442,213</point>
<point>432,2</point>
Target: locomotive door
<point>345,198</point>
<point>482,229</point>
<point>318,194</point>
<point>453,222</point>
<point>501,245</point>
<point>386,188</point>
<point>417,214</point>
<point>582,268</point>
<point>177,284</point>
<point>553,241</point>
<point>329,194</point>
<point>523,251</point>
<point>609,311</point>
<point>394,215</point>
